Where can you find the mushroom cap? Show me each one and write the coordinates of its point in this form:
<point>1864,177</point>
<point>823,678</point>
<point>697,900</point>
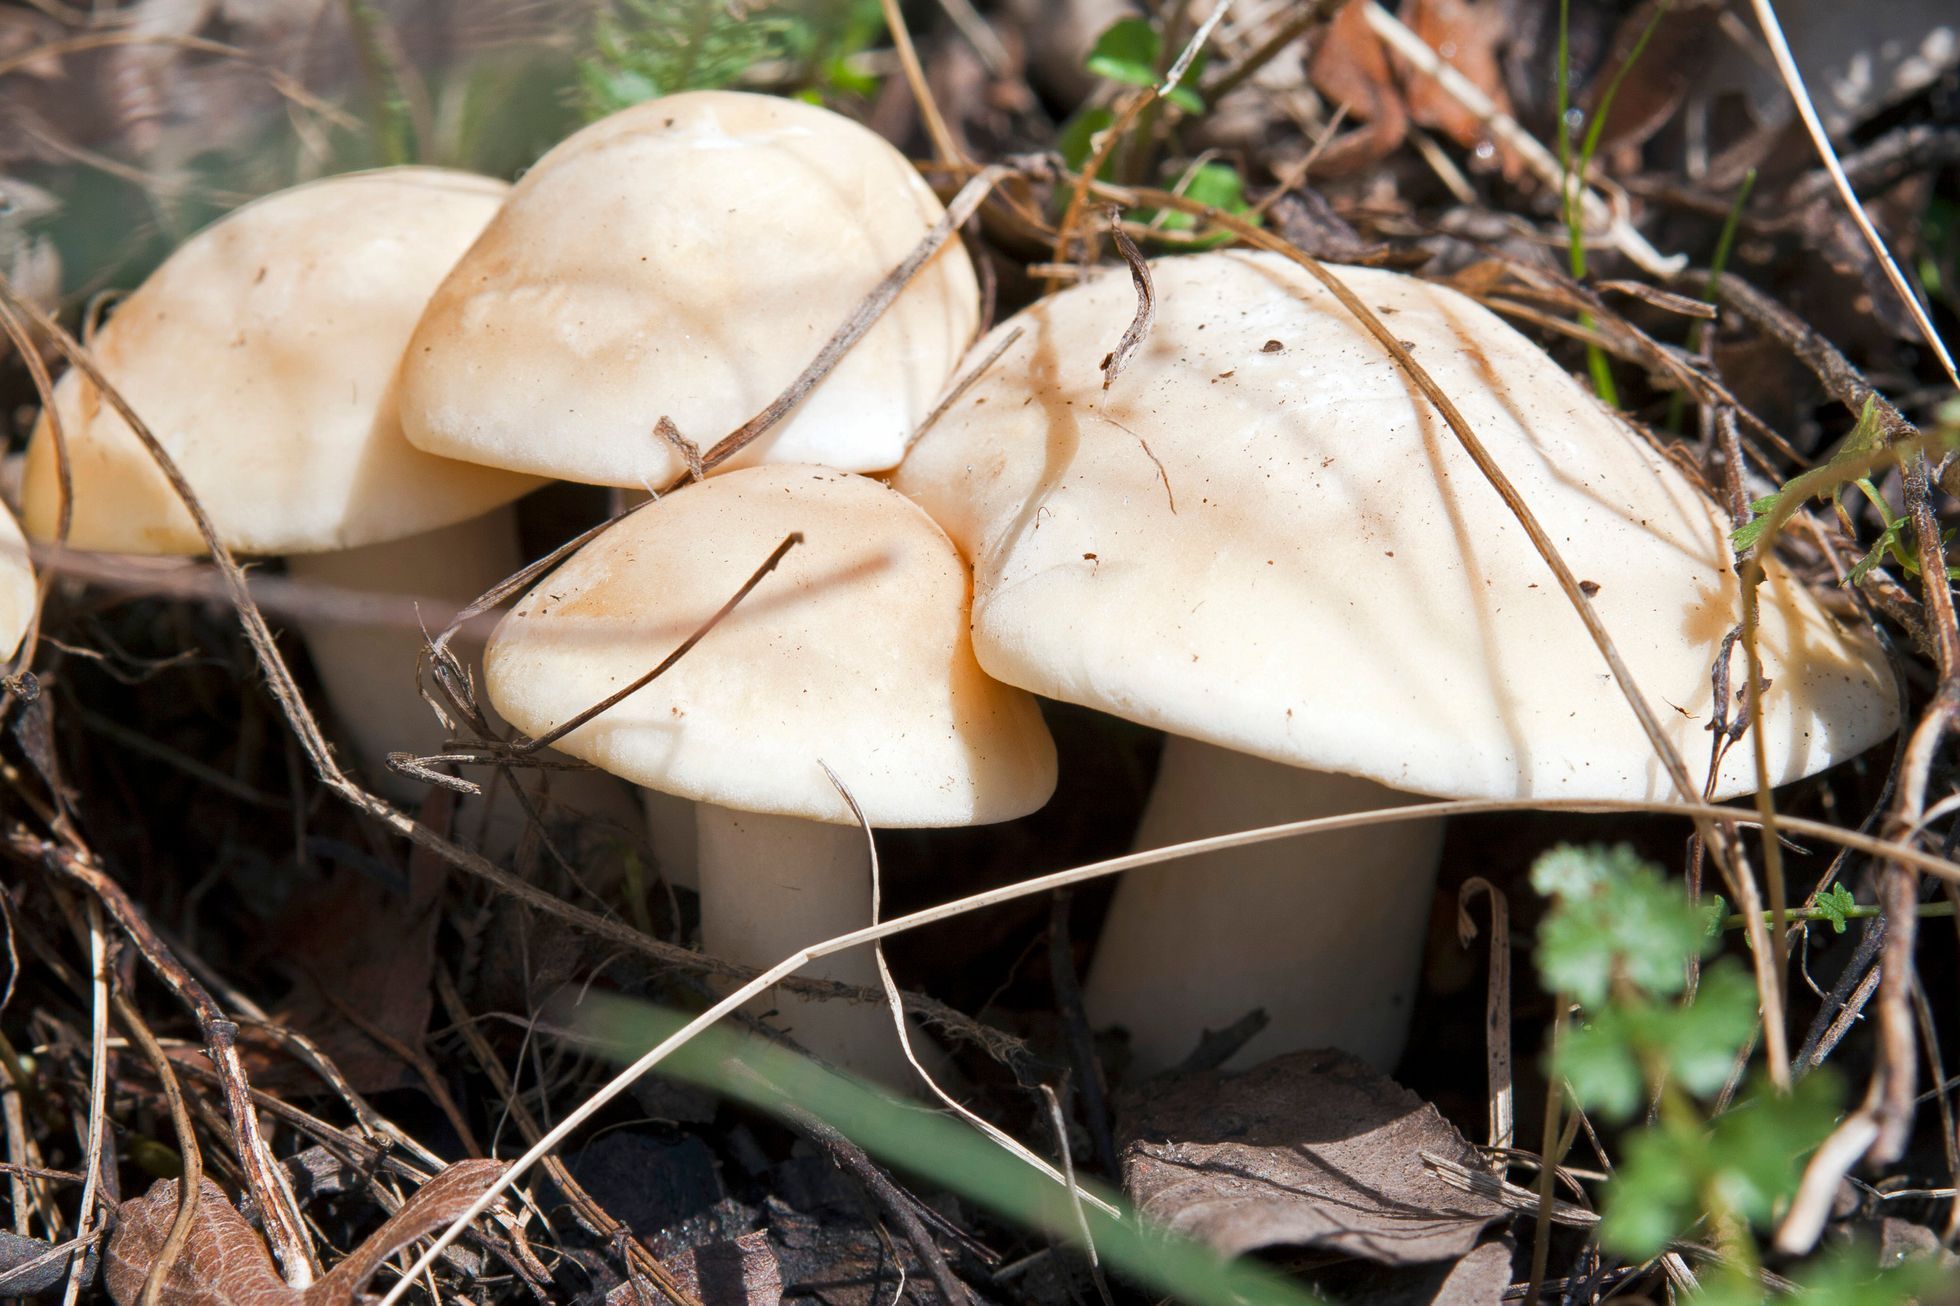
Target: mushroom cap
<point>687,258</point>
<point>17,591</point>
<point>853,651</point>
<point>1338,587</point>
<point>262,354</point>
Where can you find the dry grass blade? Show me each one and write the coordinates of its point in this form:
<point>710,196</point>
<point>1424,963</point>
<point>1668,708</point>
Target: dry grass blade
<point>1786,67</point>
<point>190,1187</point>
<point>98,1087</point>
<point>1497,1002</point>
<point>943,143</point>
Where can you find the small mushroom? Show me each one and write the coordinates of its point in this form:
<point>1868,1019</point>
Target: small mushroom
<point>262,354</point>
<point>1302,578</point>
<point>686,258</point>
<point>851,654</point>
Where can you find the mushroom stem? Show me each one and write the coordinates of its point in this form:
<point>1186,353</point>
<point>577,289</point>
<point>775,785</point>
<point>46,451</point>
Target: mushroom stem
<point>1323,932</point>
<point>772,886</point>
<point>366,663</point>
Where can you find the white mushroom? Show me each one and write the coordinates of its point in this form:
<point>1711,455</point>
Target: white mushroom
<point>686,258</point>
<point>1335,602</point>
<point>263,354</point>
<point>853,654</point>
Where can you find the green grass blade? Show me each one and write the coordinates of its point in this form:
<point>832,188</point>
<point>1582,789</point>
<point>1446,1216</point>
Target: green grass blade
<point>937,1148</point>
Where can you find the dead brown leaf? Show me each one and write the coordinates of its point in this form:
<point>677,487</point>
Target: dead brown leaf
<point>1312,1149</point>
<point>737,1272</point>
<point>1350,67</point>
<point>1469,35</point>
<point>225,1262</point>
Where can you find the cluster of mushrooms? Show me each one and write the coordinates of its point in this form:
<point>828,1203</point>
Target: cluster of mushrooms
<point>1259,539</point>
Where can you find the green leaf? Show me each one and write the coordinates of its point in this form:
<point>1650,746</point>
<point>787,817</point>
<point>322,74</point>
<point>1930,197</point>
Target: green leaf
<point>1077,140</point>
<point>1596,1058</point>
<point>1616,916</point>
<point>1714,915</point>
<point>1126,52</point>
<point>1216,184</point>
<point>1652,1197</point>
<point>1747,1164</point>
<point>1835,903</point>
<point>1850,463</point>
<point>1756,1152</point>
<point>1696,1042</point>
<point>1702,1039</point>
<point>1888,541</point>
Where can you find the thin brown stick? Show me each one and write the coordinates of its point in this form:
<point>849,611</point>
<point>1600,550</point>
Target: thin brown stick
<point>279,1211</point>
<point>189,1181</point>
<point>944,146</point>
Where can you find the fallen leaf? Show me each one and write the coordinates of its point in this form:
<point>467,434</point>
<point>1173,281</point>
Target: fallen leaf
<point>372,947</point>
<point>1313,1149</point>
<point>1350,67</point>
<point>1468,34</point>
<point>225,1262</point>
<point>30,1267</point>
<point>737,1272</point>
<point>1479,1279</point>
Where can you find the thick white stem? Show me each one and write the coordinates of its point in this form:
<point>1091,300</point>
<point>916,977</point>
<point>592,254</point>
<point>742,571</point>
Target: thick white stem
<point>364,637</point>
<point>366,664</point>
<point>1324,932</point>
<point>773,885</point>
<point>670,830</point>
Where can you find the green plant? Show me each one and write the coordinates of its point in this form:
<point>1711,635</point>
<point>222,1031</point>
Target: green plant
<point>1862,452</point>
<point>640,49</point>
<point>1572,187</point>
<point>1617,942</point>
<point>942,1149</point>
<point>1131,53</point>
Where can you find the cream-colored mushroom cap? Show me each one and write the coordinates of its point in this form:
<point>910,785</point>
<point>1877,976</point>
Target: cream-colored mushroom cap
<point>687,258</point>
<point>263,355</point>
<point>852,653</point>
<point>17,592</point>
<point>1336,586</point>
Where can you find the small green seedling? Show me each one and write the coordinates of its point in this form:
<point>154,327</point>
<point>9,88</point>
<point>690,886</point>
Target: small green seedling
<point>1851,466</point>
<point>1617,941</point>
<point>1130,51</point>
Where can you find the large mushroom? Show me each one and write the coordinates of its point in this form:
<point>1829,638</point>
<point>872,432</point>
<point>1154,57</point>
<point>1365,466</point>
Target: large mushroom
<point>1262,540</point>
<point>686,258</point>
<point>262,355</point>
<point>851,654</point>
